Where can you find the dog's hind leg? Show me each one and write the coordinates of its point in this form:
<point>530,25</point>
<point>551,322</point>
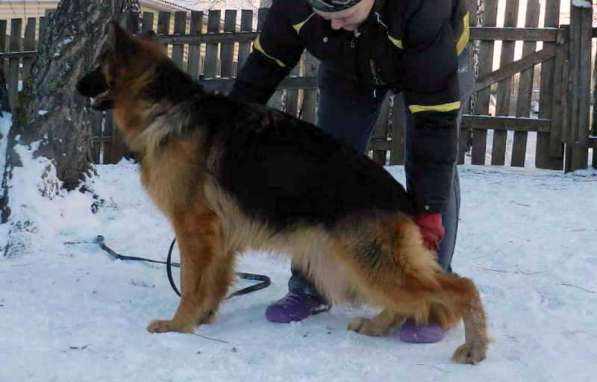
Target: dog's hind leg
<point>200,243</point>
<point>380,325</point>
<point>460,295</point>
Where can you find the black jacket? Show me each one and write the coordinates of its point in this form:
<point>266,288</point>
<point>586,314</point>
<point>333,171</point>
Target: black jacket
<point>405,45</point>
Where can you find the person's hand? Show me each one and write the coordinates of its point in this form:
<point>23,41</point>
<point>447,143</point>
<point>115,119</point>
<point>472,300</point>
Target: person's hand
<point>431,228</point>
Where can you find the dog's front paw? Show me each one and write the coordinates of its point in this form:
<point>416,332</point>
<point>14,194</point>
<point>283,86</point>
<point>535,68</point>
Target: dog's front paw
<point>472,353</point>
<point>165,326</point>
<point>368,327</point>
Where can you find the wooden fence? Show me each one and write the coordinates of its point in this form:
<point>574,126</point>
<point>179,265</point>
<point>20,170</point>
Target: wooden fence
<point>500,119</point>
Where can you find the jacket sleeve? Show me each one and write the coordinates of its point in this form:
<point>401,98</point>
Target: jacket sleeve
<point>430,69</point>
<point>276,51</point>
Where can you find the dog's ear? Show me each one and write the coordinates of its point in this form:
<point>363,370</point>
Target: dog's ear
<point>120,40</point>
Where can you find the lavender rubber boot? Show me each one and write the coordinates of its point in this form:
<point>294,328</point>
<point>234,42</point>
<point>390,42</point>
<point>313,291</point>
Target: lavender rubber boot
<point>421,334</point>
<point>295,306</point>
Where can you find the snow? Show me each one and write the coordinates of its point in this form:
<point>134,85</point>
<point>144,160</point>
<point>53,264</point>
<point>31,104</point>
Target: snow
<point>69,313</point>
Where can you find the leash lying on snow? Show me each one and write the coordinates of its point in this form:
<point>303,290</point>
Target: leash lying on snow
<point>264,281</point>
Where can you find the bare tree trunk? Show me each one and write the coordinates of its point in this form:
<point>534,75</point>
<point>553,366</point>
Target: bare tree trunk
<point>52,121</point>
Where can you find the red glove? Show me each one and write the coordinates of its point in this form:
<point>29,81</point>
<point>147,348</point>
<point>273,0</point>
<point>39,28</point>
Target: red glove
<point>431,228</point>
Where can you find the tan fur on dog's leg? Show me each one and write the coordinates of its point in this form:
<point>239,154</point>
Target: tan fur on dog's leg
<point>380,325</point>
<point>462,296</point>
<point>199,241</point>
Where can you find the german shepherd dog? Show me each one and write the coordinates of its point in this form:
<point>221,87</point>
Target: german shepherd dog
<point>231,176</point>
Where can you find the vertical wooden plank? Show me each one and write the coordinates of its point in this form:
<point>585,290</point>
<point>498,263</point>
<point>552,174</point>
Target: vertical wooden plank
<point>580,89</point>
<point>180,27</point>
<point>96,131</point>
<point>308,112</point>
<point>380,132</point>
<point>13,63</point>
<point>4,102</point>
<point>398,130</point>
<point>227,51</point>
<point>195,49</point>
<point>43,25</point>
<point>164,25</point>
<point>465,136</point>
<point>483,98</point>
<point>29,45</point>
<point>3,48</point>
<point>244,48</point>
<point>559,95</point>
<point>525,87</point>
<point>292,95</point>
<point>504,89</point>
<point>115,150</point>
<point>211,52</point>
<point>594,126</point>
<point>148,20</point>
<point>543,158</point>
<point>3,36</point>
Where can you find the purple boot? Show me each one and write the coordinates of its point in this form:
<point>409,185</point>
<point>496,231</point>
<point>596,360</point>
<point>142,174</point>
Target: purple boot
<point>295,306</point>
<point>421,334</point>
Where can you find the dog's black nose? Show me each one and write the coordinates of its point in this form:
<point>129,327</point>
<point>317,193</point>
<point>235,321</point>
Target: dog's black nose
<point>92,84</point>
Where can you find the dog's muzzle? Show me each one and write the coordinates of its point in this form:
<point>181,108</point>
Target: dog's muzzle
<point>95,86</point>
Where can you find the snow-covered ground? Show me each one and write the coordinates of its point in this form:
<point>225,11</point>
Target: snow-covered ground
<point>70,313</point>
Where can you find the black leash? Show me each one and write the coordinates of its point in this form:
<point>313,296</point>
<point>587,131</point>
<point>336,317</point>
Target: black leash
<point>264,281</point>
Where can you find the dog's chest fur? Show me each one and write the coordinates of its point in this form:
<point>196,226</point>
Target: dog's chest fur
<point>170,178</point>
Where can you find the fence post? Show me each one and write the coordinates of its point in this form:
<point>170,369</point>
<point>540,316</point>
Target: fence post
<point>4,103</point>
<point>13,63</point>
<point>195,49</point>
<point>580,86</point>
<point>549,150</point>
<point>180,27</point>
<point>227,48</point>
<point>211,50</point>
<point>29,45</point>
<point>483,98</point>
<point>525,88</point>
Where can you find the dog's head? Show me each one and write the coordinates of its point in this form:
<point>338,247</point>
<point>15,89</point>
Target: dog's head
<point>124,67</point>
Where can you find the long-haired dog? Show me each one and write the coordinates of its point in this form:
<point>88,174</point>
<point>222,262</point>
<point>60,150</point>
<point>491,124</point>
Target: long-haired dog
<point>231,176</point>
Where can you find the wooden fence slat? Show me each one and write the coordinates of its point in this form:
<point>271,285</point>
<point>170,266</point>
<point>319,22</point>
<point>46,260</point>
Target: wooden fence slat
<point>164,24</point>
<point>180,27</point>
<point>195,50</point>
<point>398,130</point>
<point>244,48</point>
<point>380,132</point>
<point>506,123</point>
<point>310,68</point>
<point>504,89</point>
<point>483,97</point>
<point>580,80</point>
<point>13,63</point>
<point>214,38</point>
<point>292,95</point>
<point>227,50</point>
<point>29,45</point>
<point>513,34</point>
<point>543,157</point>
<point>559,104</point>
<point>525,88</point>
<point>211,52</point>
<point>43,25</point>
<point>3,48</point>
<point>505,73</point>
<point>465,136</point>
<point>148,21</point>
